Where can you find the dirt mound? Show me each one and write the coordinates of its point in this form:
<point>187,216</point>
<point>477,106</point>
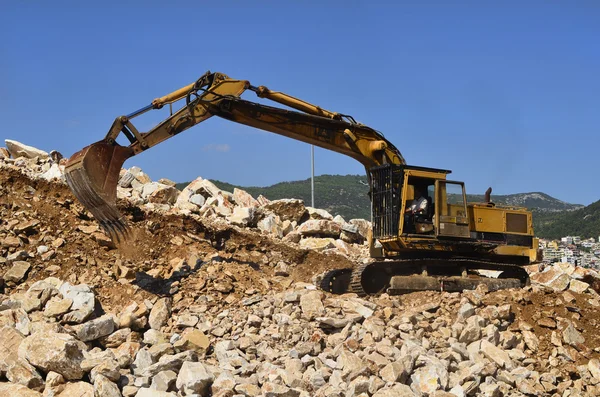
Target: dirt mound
<point>166,248</point>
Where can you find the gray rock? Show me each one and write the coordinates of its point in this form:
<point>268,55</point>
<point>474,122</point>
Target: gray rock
<point>467,310</point>
<point>126,179</point>
<point>143,360</point>
<point>50,351</point>
<point>83,302</point>
<point>164,380</point>
<point>571,336</point>
<point>169,362</point>
<point>194,378</point>
<point>17,272</point>
<point>96,328</point>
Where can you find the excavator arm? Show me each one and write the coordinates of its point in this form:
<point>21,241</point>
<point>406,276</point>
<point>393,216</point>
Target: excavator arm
<point>92,173</point>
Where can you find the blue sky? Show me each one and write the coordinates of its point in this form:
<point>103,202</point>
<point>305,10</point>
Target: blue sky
<point>504,95</point>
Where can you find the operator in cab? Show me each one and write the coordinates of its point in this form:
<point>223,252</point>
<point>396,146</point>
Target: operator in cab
<point>419,206</point>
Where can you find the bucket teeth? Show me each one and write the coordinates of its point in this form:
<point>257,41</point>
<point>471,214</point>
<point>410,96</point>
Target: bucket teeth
<point>92,176</point>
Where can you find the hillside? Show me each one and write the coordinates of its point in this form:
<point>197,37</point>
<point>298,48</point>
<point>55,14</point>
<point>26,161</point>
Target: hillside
<point>584,222</point>
<point>346,195</point>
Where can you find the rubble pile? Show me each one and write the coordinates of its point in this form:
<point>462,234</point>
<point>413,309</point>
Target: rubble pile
<point>218,299</point>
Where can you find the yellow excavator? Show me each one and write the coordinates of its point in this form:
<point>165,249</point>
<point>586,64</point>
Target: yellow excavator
<point>448,244</point>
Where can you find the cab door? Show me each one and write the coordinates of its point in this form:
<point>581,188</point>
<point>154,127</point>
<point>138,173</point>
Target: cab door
<point>451,217</point>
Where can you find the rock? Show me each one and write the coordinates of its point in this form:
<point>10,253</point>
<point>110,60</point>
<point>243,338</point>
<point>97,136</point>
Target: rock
<point>95,329</point>
<point>272,225</point>
<point>282,269</point>
<point>57,307</point>
<point>270,389</point>
<point>324,228</point>
<point>311,304</point>
<point>17,272</point>
<point>83,302</point>
<point>126,179</point>
<point>194,339</point>
<point>497,355</point>
<point>531,340</point>
<point>169,362</point>
<point>197,199</point>
<point>572,337</point>
<point>560,283</point>
<point>594,368</point>
<point>160,313</point>
<point>547,322</point>
<point>395,391</point>
<point>143,360</point>
<point>242,216</point>
<point>15,390</point>
<point>163,194</point>
<point>4,153</point>
<point>18,149</point>
<point>103,387</point>
<point>77,389</point>
<point>578,286</point>
<point>10,339</point>
<point>429,378</point>
<point>194,378</point>
<point>317,244</point>
<point>244,199</point>
<point>394,372</point>
<point>51,351</point>
<point>54,173</point>
<point>25,374</point>
<point>164,380</point>
<point>108,368</point>
<point>288,209</point>
<point>466,311</point>
<point>154,337</point>
<point>317,213</point>
<point>146,392</point>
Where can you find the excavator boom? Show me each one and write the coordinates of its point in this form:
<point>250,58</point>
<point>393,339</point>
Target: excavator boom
<point>92,173</point>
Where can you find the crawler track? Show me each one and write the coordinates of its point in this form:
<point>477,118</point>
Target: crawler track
<point>423,274</point>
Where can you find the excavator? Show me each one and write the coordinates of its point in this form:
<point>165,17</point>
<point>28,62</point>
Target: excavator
<point>452,245</point>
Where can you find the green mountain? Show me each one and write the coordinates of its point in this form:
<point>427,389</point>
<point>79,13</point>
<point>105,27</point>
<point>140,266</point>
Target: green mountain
<point>347,195</point>
<point>584,222</point>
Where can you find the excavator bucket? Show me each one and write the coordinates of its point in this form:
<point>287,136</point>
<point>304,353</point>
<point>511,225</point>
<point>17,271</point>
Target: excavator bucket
<point>92,175</point>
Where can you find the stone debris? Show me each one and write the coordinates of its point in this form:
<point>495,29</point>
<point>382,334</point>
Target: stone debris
<point>237,316</point>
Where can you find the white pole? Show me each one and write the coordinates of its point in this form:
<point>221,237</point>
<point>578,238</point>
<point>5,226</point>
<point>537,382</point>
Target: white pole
<point>312,175</point>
